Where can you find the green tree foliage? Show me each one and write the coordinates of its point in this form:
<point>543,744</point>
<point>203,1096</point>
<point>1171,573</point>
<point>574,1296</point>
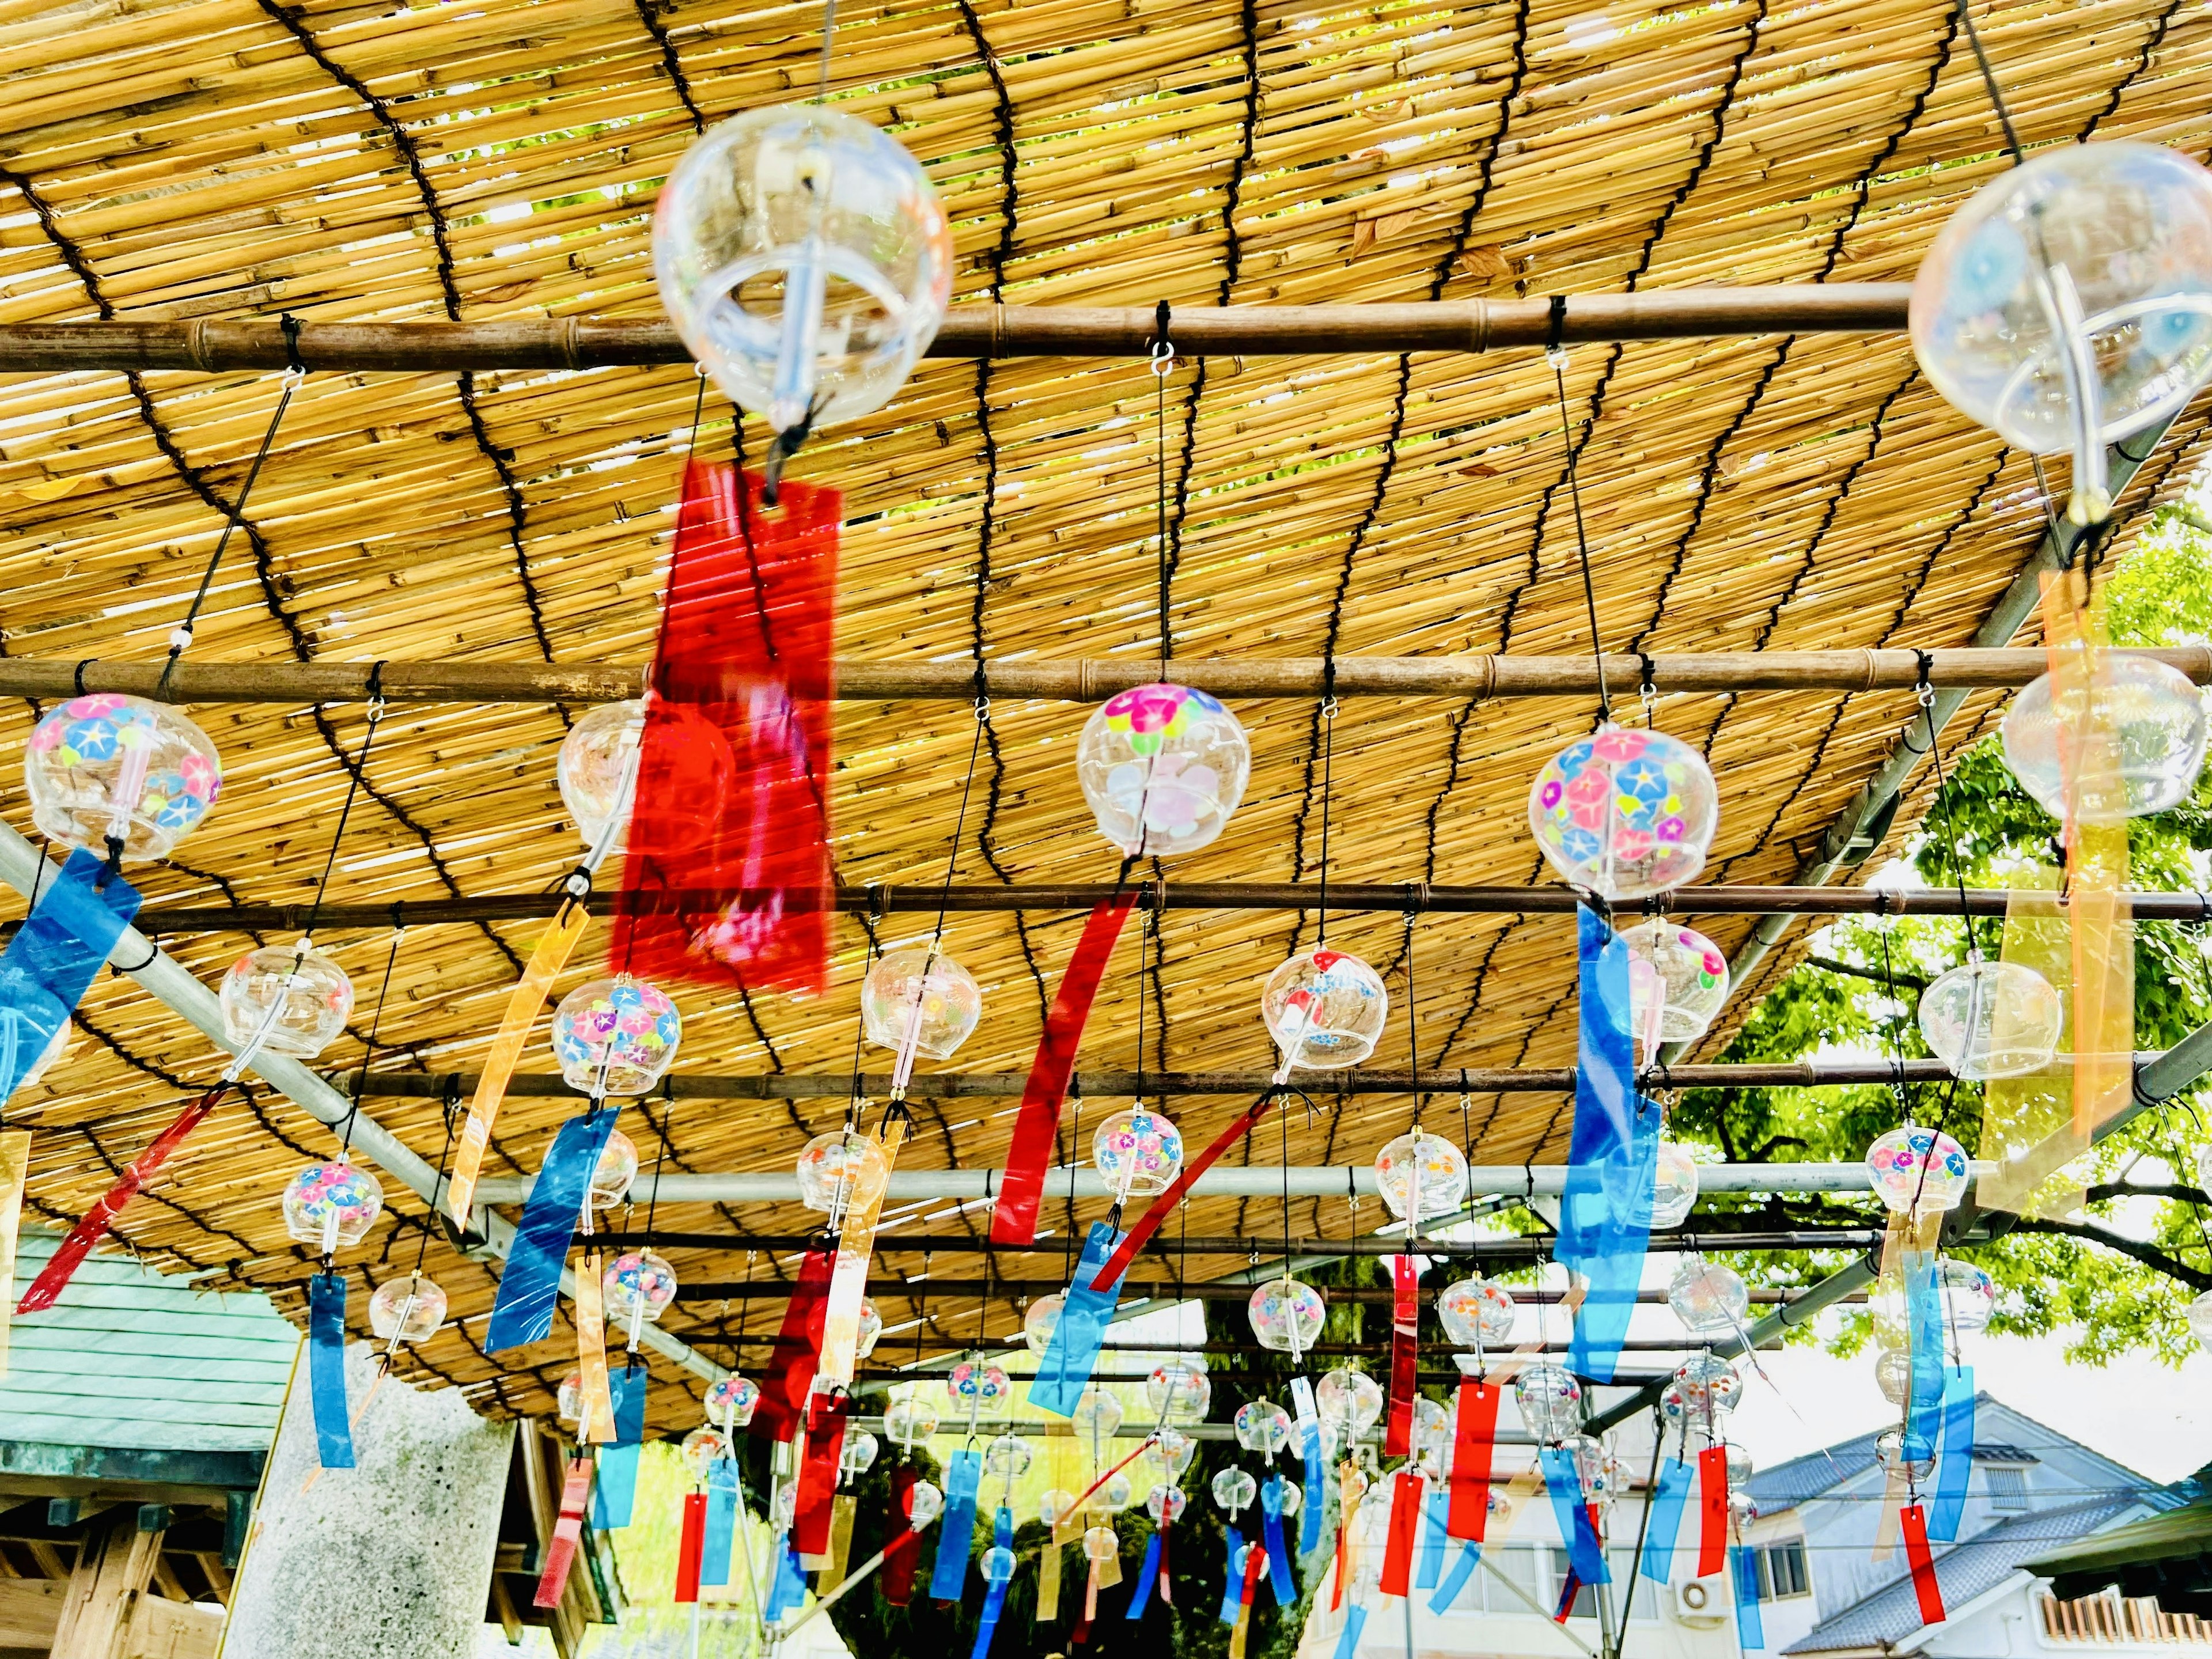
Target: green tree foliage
<point>2119,1274</point>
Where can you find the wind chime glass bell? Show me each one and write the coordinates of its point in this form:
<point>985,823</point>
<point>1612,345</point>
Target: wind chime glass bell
<point>924,1504</point>
<point>1678,982</point>
<point>1286,1316</point>
<point>332,1205</point>
<point>1179,1390</point>
<point>613,1173</point>
<point>1162,767</point>
<point>731,1401</point>
<point>1171,1451</point>
<point>1138,1152</point>
<point>859,1455</point>
<point>2148,722</point>
<point>106,765</point>
<point>1041,1319</point>
<point>1422,1163</point>
<point>597,771</point>
<point>952,1002</point>
<point>1324,1009</point>
<point>1705,1386</point>
<point>616,1036</point>
<point>908,1421</point>
<point>1970,1296</point>
<point>2200,1320</point>
<point>1476,1313</point>
<point>1673,1187</point>
<point>1913,1168</point>
<point>841,1170</point>
<point>701,1450</point>
<point>1625,813</point>
<point>1709,1297</point>
<point>1893,1375</point>
<point>1166,1504</point>
<point>308,992</point>
<point>1007,1458</point>
<point>1262,1426</point>
<point>1992,1019</point>
<point>2067,305</point>
<point>408,1310</point>
<point>974,1386</point>
<point>805,260</point>
<point>1551,1402</point>
<point>1348,1402</point>
<point>638,1283</point>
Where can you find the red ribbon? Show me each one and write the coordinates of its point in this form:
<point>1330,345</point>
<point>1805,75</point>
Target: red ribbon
<point>1570,1587</point>
<point>1405,1523</point>
<point>817,1473</point>
<point>1167,1592</point>
<point>1036,1130</point>
<point>691,1546</point>
<point>1140,1235</point>
<point>1474,1440</point>
<point>727,877</point>
<point>901,1548</point>
<point>789,1378</point>
<point>62,1266</point>
<point>1713,1509</point>
<point>1255,1563</point>
<point>1405,1354</point>
<point>568,1531</point>
<point>1913,1520</point>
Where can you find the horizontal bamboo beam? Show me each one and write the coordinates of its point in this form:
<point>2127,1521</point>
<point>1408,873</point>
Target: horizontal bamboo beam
<point>1086,679</point>
<point>212,345</point>
<point>1344,897</point>
<point>1105,1086</point>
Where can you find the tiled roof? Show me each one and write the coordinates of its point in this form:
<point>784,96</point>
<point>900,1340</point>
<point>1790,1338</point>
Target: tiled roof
<point>1788,1484</point>
<point>1964,1572</point>
<point>132,1358</point>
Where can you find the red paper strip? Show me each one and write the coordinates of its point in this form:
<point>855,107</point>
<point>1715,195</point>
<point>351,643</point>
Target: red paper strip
<point>1140,1235</point>
<point>1570,1587</point>
<point>1255,1563</point>
<point>62,1266</point>
<point>727,877</point>
<point>904,1546</point>
<point>691,1546</point>
<point>817,1473</point>
<point>1404,1353</point>
<point>567,1530</point>
<point>1405,1525</point>
<point>1474,1440</point>
<point>1913,1519</point>
<point>1713,1509</point>
<point>1036,1130</point>
<point>1167,1591</point>
<point>789,1378</point>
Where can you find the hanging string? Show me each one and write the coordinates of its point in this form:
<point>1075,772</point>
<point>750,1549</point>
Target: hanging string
<point>1328,766</point>
<point>1924,694</point>
<point>368,1050</point>
<point>829,32</point>
<point>345,812</point>
<point>1990,82</point>
<point>295,375</point>
<point>1163,364</point>
<point>1556,355</point>
<point>1413,1028</point>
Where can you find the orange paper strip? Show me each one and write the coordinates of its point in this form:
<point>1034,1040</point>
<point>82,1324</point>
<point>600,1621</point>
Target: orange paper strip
<point>849,1281</point>
<point>523,1003</point>
<point>597,1412</point>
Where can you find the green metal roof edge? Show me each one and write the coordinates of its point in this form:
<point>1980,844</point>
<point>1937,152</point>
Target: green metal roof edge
<point>137,1466</point>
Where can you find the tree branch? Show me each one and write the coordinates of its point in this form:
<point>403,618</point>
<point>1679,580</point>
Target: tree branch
<point>2131,1189</point>
<point>2148,1254</point>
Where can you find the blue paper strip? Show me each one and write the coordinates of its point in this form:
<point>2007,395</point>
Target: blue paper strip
<point>964,1476</point>
<point>1665,1521</point>
<point>326,1383</point>
<point>789,1589</point>
<point>1923,1302</point>
<point>1141,1597</point>
<point>1470,1557</point>
<point>1584,1559</point>
<point>1232,1586</point>
<point>49,965</point>
<point>1955,1467</point>
<point>1064,1372</point>
<point>1317,1498</point>
<point>1605,1214</point>
<point>613,1493</point>
<point>1279,1557</point>
<point>994,1597</point>
<point>1749,1633</point>
<point>721,1522</point>
<point>1430,1566</point>
<point>530,1284</point>
<point>1355,1620</point>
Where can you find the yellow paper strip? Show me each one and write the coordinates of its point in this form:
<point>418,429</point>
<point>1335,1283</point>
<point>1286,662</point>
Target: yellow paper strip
<point>848,1280</point>
<point>1108,1570</point>
<point>523,1003</point>
<point>840,1543</point>
<point>2027,1122</point>
<point>1047,1608</point>
<point>597,1415</point>
<point>15,1164</point>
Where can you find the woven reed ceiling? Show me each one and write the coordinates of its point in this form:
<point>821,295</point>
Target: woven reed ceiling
<point>240,157</point>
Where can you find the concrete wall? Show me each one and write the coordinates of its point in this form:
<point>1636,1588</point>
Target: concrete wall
<point>389,1560</point>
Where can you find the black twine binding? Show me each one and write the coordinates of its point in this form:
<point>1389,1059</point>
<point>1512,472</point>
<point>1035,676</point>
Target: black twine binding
<point>1557,357</point>
<point>1163,357</point>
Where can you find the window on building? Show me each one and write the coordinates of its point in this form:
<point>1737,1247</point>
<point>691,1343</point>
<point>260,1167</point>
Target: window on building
<point>1782,1570</point>
<point>1585,1605</point>
<point>2007,1485</point>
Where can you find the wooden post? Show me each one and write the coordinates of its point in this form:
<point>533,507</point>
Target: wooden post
<point>114,1565</point>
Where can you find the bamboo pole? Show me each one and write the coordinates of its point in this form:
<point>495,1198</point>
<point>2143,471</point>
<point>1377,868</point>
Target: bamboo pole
<point>1008,1085</point>
<point>1418,897</point>
<point>1088,679</point>
<point>976,331</point>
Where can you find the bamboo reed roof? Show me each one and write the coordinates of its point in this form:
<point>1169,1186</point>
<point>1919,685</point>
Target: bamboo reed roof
<point>499,159</point>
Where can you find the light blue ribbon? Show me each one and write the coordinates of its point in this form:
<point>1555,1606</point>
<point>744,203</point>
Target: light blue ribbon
<point>1316,1499</point>
<point>721,1522</point>
<point>1750,1632</point>
<point>1232,1588</point>
<point>1063,1371</point>
<point>1584,1559</point>
<point>1954,1472</point>
<point>1141,1597</point>
<point>1666,1521</point>
<point>327,1380</point>
<point>964,1476</point>
<point>1470,1557</point>
<point>50,963</point>
<point>1270,1527</point>
<point>994,1597</point>
<point>530,1284</point>
<point>1430,1566</point>
<point>613,1493</point>
<point>1355,1620</point>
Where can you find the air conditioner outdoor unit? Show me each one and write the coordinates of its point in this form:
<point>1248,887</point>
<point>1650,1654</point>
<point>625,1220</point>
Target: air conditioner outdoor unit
<point>1702,1601</point>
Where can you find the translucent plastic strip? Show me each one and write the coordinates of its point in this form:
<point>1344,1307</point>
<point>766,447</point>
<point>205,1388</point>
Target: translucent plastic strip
<point>964,1476</point>
<point>597,1405</point>
<point>326,1382</point>
<point>1405,1357</point>
<point>1955,1471</point>
<point>1750,1631</point>
<point>50,963</point>
<point>1571,1509</point>
<point>530,1282</point>
<point>1665,1521</point>
<point>818,1472</point>
<point>1164,1205</point>
<point>856,1247</point>
<point>789,1377</point>
<point>61,1267</point>
<point>1913,1521</point>
<point>1404,1532</point>
<point>690,1548</point>
<point>1271,1528</point>
<point>14,1165</point>
<point>903,1547</point>
<point>568,1533</point>
<point>1712,1510</point>
<point>1475,1438</point>
<point>721,1528</point>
